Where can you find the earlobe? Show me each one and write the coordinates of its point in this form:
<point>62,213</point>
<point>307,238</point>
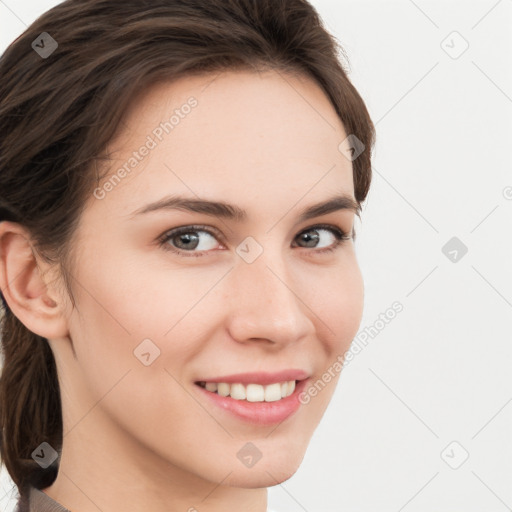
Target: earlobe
<point>23,287</point>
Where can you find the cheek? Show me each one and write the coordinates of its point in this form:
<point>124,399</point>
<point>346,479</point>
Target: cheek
<point>124,302</point>
<point>340,309</point>
<point>351,303</point>
<point>337,297</point>
<point>135,296</point>
<point>114,315</point>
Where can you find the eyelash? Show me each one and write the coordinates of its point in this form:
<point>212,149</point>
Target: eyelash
<point>341,236</point>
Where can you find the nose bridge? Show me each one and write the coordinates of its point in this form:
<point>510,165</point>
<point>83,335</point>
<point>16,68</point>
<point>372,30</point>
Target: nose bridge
<point>264,303</point>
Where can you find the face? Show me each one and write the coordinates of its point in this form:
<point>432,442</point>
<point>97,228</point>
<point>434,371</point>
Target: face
<point>176,294</point>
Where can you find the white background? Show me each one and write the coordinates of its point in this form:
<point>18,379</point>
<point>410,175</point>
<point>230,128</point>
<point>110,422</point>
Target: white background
<point>439,372</point>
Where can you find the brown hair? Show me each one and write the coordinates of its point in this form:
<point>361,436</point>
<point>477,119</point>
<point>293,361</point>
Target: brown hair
<point>59,112</point>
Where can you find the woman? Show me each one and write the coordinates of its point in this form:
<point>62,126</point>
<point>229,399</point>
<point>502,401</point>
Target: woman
<point>179,183</point>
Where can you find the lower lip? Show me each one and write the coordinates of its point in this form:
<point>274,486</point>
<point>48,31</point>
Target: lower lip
<point>258,413</point>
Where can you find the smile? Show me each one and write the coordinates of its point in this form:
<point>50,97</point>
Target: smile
<point>251,392</point>
<point>259,404</point>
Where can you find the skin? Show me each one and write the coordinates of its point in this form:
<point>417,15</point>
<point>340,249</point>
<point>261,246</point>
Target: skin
<point>141,437</point>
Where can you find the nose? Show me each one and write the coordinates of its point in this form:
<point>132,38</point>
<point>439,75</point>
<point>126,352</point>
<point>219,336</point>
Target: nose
<point>267,301</point>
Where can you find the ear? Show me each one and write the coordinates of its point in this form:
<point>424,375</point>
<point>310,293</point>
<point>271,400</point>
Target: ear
<point>29,298</point>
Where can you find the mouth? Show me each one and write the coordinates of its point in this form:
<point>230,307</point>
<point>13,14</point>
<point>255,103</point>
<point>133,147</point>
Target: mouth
<point>251,392</point>
<point>256,403</point>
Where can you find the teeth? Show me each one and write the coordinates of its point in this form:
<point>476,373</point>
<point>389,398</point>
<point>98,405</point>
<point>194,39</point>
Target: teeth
<point>223,389</point>
<point>237,392</point>
<point>252,392</point>
<point>273,392</point>
<point>211,386</point>
<point>255,393</point>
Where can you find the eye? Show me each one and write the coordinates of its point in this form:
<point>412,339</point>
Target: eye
<point>338,234</point>
<point>185,240</point>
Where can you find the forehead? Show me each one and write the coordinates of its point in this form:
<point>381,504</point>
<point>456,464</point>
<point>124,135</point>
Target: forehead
<point>270,132</point>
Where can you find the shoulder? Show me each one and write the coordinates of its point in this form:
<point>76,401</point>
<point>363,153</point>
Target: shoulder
<point>38,501</point>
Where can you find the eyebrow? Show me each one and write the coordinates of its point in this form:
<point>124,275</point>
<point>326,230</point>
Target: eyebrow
<point>233,212</point>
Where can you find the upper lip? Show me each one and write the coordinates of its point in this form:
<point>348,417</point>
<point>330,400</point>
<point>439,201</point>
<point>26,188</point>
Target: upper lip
<point>262,378</point>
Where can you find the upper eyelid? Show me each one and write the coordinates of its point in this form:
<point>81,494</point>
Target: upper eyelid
<point>212,230</point>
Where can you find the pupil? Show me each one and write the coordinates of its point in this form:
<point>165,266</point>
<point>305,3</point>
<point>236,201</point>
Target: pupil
<point>188,239</point>
<point>309,238</point>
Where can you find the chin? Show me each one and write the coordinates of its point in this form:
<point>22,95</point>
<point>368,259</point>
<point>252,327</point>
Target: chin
<point>273,471</point>
<point>259,479</point>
